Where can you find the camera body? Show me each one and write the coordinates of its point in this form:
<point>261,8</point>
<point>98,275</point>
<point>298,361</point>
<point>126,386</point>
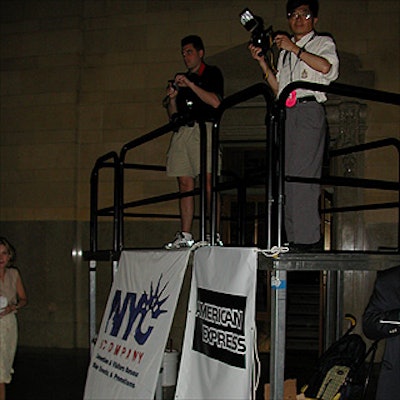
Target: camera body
<point>171,82</point>
<point>260,37</point>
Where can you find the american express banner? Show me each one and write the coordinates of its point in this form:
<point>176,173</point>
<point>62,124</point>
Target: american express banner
<point>128,354</point>
<point>218,350</point>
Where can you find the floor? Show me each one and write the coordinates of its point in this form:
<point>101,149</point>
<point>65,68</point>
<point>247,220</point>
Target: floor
<point>56,374</point>
<point>48,374</point>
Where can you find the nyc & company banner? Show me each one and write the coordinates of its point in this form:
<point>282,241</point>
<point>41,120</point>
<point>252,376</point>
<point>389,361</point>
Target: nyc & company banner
<point>127,357</point>
<point>218,350</point>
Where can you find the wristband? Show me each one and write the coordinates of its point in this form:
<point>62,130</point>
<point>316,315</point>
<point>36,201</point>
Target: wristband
<point>299,53</point>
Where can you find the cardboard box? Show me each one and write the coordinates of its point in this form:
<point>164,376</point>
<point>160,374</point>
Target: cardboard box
<point>289,390</point>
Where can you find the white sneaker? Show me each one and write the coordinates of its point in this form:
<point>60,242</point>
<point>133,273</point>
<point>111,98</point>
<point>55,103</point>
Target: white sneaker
<point>182,240</point>
<point>218,241</point>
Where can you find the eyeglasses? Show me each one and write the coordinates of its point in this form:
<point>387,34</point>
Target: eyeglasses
<point>301,14</point>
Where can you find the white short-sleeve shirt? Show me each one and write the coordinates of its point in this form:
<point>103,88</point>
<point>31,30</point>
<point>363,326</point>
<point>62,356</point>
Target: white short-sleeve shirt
<point>291,68</point>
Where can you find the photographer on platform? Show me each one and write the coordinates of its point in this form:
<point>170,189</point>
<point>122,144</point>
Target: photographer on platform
<point>194,95</point>
<point>306,56</point>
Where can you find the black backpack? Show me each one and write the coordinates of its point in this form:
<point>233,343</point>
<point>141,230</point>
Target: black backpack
<point>340,372</point>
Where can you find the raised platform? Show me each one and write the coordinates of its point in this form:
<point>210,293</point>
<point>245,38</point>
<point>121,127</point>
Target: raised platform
<point>279,267</point>
<point>330,260</point>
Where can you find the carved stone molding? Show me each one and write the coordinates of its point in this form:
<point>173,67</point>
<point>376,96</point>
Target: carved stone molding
<point>347,127</point>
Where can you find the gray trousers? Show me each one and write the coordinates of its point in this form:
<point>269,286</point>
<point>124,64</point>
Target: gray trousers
<point>305,131</point>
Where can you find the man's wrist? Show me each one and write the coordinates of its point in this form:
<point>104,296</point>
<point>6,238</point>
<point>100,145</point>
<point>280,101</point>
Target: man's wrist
<point>297,50</point>
<point>262,63</point>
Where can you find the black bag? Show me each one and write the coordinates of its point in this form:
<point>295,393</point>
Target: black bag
<point>340,372</point>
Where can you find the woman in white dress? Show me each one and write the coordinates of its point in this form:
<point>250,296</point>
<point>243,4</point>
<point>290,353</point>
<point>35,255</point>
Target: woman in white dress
<point>12,298</point>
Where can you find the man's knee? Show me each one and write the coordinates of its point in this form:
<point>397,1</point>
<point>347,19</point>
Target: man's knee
<point>186,183</point>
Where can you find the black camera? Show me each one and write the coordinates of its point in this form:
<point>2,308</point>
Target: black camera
<point>260,37</point>
<point>171,82</point>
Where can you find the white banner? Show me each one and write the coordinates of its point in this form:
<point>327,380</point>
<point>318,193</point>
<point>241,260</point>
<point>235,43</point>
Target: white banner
<point>218,350</point>
<point>134,331</point>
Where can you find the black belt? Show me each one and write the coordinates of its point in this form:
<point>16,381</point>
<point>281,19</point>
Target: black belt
<point>306,99</point>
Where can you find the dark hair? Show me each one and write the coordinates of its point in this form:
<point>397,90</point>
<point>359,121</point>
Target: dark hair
<point>194,40</point>
<point>10,249</point>
<point>291,5</point>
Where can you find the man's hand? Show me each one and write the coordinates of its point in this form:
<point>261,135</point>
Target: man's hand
<point>171,90</point>
<point>256,52</point>
<point>182,81</point>
<point>284,43</point>
<point>209,98</point>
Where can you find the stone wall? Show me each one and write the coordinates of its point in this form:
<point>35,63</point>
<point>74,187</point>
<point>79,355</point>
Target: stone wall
<point>80,78</point>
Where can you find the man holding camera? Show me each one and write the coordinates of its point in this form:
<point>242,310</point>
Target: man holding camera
<point>193,95</point>
<point>305,56</point>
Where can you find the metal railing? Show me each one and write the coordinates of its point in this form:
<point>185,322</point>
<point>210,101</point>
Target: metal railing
<point>119,210</point>
<point>274,176</point>
<point>346,91</point>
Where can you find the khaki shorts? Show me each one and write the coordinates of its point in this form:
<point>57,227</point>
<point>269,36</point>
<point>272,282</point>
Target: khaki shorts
<point>183,157</point>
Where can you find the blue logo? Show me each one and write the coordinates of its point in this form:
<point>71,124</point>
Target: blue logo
<point>146,308</point>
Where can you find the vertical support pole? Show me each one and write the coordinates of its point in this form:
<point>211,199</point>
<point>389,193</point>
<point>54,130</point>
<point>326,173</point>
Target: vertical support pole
<point>281,172</point>
<point>278,333</point>
<point>203,179</point>
<point>331,308</point>
<point>214,180</point>
<point>339,303</point>
<point>241,209</point>
<point>92,304</point>
<point>118,206</point>
<point>271,192</point>
<point>120,209</point>
<point>94,187</point>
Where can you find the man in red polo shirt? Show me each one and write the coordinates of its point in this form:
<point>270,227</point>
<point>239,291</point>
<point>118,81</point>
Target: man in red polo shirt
<point>194,94</point>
